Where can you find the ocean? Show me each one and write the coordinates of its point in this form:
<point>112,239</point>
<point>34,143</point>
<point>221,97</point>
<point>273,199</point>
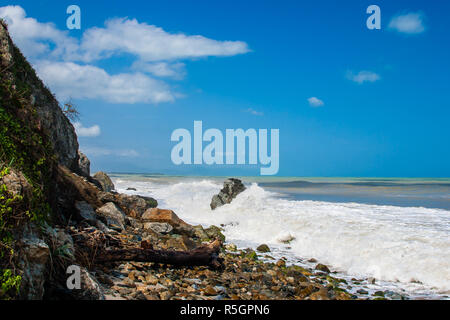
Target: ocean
<point>394,230</point>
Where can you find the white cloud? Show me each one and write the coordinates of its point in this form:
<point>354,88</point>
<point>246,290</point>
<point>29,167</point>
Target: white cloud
<point>71,80</point>
<point>151,43</point>
<point>254,112</point>
<point>82,131</point>
<point>161,69</point>
<point>410,23</point>
<point>99,152</point>
<point>67,64</point>
<point>35,38</point>
<point>363,76</point>
<point>315,102</point>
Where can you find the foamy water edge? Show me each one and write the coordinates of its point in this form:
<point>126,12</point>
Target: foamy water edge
<point>403,248</point>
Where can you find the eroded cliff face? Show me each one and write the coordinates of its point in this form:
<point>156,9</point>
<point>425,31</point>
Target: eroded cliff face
<point>36,139</point>
<point>50,118</point>
<point>46,191</point>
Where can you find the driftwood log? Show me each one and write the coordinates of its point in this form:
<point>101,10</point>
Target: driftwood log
<point>97,247</point>
<point>206,255</point>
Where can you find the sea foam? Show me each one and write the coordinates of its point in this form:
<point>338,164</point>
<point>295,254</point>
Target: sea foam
<point>409,245</point>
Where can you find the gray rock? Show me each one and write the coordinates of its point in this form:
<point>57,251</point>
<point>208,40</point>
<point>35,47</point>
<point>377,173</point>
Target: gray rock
<point>48,112</point>
<point>133,205</point>
<point>86,211</point>
<point>170,217</point>
<point>158,227</point>
<point>263,248</point>
<point>113,214</point>
<point>84,164</point>
<point>322,267</point>
<point>38,251</point>
<point>90,288</point>
<point>215,232</point>
<point>61,242</point>
<point>134,223</point>
<point>231,188</point>
<point>105,181</point>
<point>200,233</point>
<point>16,183</point>
<point>34,253</point>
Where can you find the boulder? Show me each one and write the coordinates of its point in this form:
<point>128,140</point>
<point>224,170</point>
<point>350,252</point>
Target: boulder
<point>133,205</point>
<point>34,253</point>
<point>182,243</point>
<point>168,216</point>
<point>263,248</point>
<point>84,164</point>
<point>16,183</point>
<point>135,223</point>
<point>214,232</point>
<point>113,215</point>
<point>106,197</point>
<point>86,212</point>
<point>158,227</point>
<point>90,288</point>
<point>105,181</point>
<point>200,233</point>
<point>61,242</point>
<point>322,267</point>
<point>208,234</point>
<point>231,188</point>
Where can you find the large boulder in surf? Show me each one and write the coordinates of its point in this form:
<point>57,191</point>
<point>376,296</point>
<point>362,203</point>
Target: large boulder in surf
<point>105,181</point>
<point>231,188</point>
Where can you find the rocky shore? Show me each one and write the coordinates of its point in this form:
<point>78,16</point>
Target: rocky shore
<point>55,215</point>
<point>243,274</point>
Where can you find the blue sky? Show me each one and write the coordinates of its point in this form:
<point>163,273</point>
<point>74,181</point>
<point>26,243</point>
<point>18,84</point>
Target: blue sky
<point>378,99</point>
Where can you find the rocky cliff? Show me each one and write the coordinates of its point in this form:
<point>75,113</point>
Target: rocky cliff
<point>35,137</point>
<point>44,184</point>
<point>22,82</point>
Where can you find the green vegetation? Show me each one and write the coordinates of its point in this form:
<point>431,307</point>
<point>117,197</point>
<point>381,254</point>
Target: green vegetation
<point>9,284</point>
<point>8,215</point>
<point>25,148</point>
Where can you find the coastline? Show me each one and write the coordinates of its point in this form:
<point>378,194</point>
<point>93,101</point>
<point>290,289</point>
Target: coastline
<point>369,286</point>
